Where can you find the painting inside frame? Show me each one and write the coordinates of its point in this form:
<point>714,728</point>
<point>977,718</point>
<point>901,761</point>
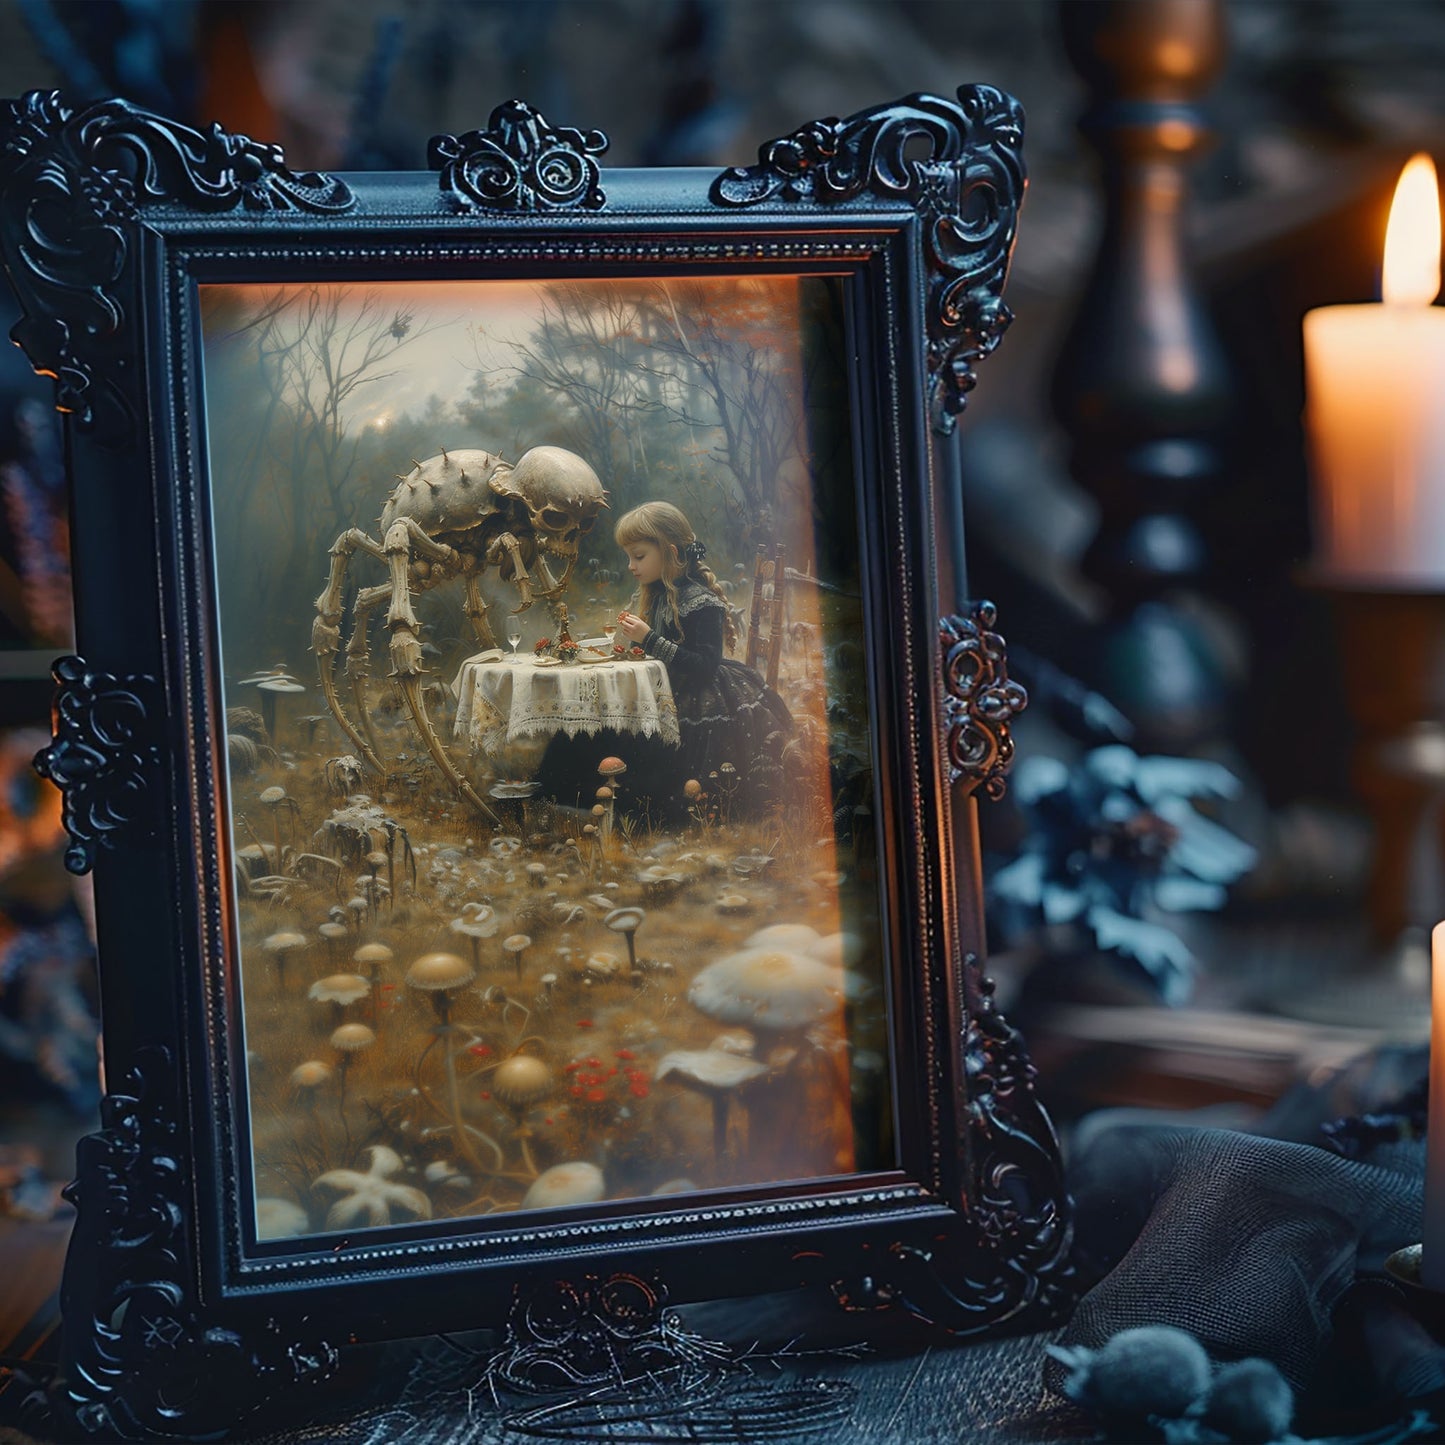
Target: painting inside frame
<point>534,910</point>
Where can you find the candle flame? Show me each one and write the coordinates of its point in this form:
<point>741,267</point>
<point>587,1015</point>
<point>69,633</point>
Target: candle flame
<point>1412,238</point>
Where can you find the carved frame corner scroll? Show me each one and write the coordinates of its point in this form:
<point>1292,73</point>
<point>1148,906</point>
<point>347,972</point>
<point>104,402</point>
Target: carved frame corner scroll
<point>520,162</point>
<point>967,191</point>
<point>980,703</point>
<point>104,756</point>
<point>76,179</point>
<point>139,1358</point>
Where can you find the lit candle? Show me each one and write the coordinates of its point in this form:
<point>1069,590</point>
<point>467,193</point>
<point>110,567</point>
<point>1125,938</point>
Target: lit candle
<point>1375,409</point>
<point>1432,1255</point>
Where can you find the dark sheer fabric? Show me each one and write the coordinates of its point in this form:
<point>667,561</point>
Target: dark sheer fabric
<point>1247,1243</point>
<point>730,722</point>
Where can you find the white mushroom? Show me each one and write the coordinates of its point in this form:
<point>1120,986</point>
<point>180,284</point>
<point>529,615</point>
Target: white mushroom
<point>714,1073</point>
<point>767,988</point>
<point>563,1184</point>
<point>785,935</point>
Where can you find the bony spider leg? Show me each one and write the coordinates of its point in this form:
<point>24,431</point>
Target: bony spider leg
<point>406,667</point>
<point>326,634</point>
<point>508,543</point>
<point>475,607</point>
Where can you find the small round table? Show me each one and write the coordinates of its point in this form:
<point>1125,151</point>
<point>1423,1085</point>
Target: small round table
<point>502,702</point>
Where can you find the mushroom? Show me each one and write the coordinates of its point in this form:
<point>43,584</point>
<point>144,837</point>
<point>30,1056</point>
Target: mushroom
<point>270,685</point>
<point>372,956</point>
<point>545,985</point>
<point>307,1079</point>
<point>273,799</point>
<point>518,1083</point>
<point>439,976</point>
<point>796,936</point>
<point>732,903</point>
<point>279,1219</point>
<point>357,907</point>
<point>537,873</point>
<point>348,1041</point>
<point>444,1173</point>
<point>715,1074</point>
<point>339,989</point>
<point>333,933</point>
<point>770,989</point>
<point>627,921</point>
<point>372,1195</point>
<point>564,1184</point>
<point>602,965</point>
<point>280,946</point>
<point>778,992</point>
<point>660,880</point>
<point>604,796</point>
<point>517,945</point>
<point>477,921</point>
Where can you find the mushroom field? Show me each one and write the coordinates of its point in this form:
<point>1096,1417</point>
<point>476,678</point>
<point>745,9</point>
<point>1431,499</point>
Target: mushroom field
<point>448,1017</point>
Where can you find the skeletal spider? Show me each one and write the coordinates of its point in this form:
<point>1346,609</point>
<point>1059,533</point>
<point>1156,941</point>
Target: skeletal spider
<point>448,519</point>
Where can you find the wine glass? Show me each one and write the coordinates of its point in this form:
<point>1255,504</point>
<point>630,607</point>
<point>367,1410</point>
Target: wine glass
<point>609,630</point>
<point>514,634</point>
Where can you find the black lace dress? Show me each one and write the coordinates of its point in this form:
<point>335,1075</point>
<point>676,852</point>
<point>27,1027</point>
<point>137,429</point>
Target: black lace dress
<point>730,723</point>
<point>727,716</point>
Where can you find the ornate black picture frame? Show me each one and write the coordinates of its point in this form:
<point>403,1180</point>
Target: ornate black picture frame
<point>112,222</point>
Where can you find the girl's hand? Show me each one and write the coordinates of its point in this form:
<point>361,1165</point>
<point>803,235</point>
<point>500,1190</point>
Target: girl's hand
<point>632,627</point>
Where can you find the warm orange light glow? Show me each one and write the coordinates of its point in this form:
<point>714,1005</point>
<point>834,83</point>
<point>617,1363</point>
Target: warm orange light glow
<point>1412,238</point>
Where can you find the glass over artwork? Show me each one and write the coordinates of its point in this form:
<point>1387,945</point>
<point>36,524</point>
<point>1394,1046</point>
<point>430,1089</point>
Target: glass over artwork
<point>550,787</point>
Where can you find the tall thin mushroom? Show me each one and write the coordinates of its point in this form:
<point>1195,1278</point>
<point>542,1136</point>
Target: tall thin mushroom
<point>281,946</point>
<point>517,945</point>
<point>439,976</point>
<point>372,957</point>
<point>348,1041</point>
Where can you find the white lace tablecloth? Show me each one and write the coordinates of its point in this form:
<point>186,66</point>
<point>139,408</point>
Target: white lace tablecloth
<point>501,702</point>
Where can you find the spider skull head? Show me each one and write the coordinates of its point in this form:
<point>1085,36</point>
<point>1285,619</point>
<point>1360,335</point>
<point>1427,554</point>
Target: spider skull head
<point>563,500</point>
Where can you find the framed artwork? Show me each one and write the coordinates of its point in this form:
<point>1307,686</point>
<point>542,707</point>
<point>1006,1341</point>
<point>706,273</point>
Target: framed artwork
<point>529,786</point>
